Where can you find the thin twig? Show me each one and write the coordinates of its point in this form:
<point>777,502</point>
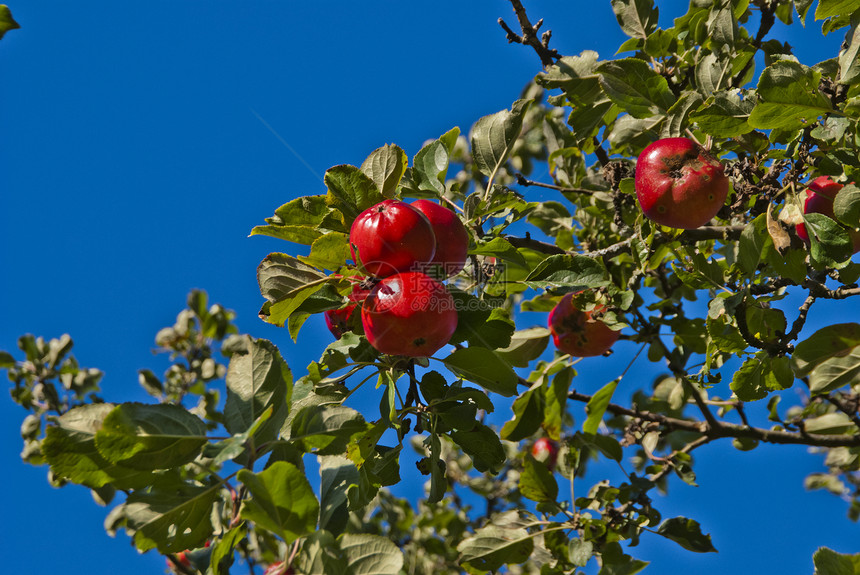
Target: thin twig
<point>530,35</point>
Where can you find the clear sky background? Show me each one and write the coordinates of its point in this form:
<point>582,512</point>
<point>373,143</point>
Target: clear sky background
<point>135,163</point>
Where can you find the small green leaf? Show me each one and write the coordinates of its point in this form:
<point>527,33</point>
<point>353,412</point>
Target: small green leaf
<point>6,21</point>
<point>829,562</point>
<point>296,221</point>
<point>830,243</point>
<point>831,8</point>
<point>350,191</point>
<point>327,428</point>
<point>371,554</point>
<point>480,365</point>
<point>386,166</point>
<point>688,534</point>
<point>150,437</point>
<point>483,446</point>
<point>580,551</point>
<point>526,345</point>
<point>329,252</point>
<point>572,272</point>
<point>172,516</point>
<point>596,407</point>
<point>224,549</point>
<point>282,501</point>
<point>258,379</point>
<point>638,18</point>
<point>759,375</point>
<point>635,87</point>
<point>493,137</point>
<point>492,546</point>
<point>724,115</point>
<point>789,97</point>
<point>537,482</point>
<point>528,415</point>
<point>830,357</point>
<point>846,206</point>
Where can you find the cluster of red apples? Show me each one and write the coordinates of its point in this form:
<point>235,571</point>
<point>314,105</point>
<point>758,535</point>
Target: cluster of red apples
<point>406,249</point>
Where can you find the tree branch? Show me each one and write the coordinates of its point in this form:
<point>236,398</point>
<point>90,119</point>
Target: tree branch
<point>724,429</point>
<point>530,35</point>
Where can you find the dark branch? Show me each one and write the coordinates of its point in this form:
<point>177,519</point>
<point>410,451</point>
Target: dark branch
<point>725,430</point>
<point>530,35</point>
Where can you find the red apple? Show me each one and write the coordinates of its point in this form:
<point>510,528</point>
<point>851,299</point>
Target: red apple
<point>409,314</point>
<point>452,239</point>
<point>819,200</point>
<point>679,184</point>
<point>391,237</point>
<point>576,332</point>
<point>545,450</point>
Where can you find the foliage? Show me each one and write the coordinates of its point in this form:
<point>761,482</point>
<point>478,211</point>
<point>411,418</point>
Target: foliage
<point>708,304</point>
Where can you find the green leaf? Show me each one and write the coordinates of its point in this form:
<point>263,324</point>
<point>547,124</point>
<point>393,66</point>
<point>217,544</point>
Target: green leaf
<point>257,379</point>
<point>679,114</point>
<point>572,272</point>
<point>171,517</point>
<point>830,357</point>
<point>493,137</point>
<point>480,365</point>
<point>526,346</point>
<point>371,554</point>
<point>829,562</point>
<point>70,448</point>
<point>6,360</point>
<point>329,251</point>
<point>556,400</point>
<point>638,18</point>
<point>6,21</point>
<point>326,428</point>
<point>712,74</point>
<point>501,248</point>
<point>350,191</point>
<point>596,407</point>
<point>846,206</point>
<point>751,246</point>
<point>632,85</point>
<point>337,474</point>
<point>222,552</point>
<point>576,76</point>
<point>831,8</point>
<point>830,243</point>
<point>493,546</point>
<point>789,97</point>
<point>431,163</point>
<point>688,534</point>
<point>286,283</point>
<point>528,415</point>
<point>149,437</point>
<point>724,115</point>
<point>580,551</point>
<point>849,57</point>
<point>386,166</point>
<point>321,554</point>
<point>296,221</point>
<point>759,375</point>
<point>537,482</point>
<point>282,501</point>
<point>483,446</point>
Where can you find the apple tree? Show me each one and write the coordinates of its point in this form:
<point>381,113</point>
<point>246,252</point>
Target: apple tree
<point>241,461</point>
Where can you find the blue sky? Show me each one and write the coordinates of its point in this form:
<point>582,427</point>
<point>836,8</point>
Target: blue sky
<point>135,163</point>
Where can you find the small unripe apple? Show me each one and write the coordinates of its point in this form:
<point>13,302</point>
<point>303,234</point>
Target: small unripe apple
<point>452,239</point>
<point>545,450</point>
<point>819,200</point>
<point>391,237</point>
<point>679,184</point>
<point>575,332</point>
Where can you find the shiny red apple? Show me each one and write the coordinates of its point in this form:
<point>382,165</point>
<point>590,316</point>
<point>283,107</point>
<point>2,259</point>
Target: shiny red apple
<point>679,184</point>
<point>576,332</point>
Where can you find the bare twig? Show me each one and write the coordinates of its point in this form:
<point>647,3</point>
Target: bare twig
<point>529,35</point>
